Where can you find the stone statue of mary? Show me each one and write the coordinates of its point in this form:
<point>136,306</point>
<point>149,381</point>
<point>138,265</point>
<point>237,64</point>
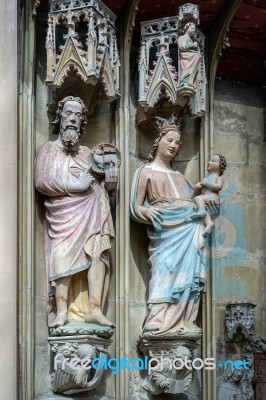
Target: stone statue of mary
<point>162,198</point>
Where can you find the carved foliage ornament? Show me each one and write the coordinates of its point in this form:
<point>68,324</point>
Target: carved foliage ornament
<point>81,37</point>
<point>171,63</point>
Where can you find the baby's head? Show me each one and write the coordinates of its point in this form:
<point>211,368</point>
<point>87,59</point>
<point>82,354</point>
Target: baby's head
<point>222,164</point>
<point>217,164</point>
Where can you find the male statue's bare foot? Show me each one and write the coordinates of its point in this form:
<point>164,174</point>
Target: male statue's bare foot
<point>96,316</point>
<point>61,319</point>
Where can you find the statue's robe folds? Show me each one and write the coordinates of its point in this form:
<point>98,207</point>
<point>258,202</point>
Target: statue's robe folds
<point>78,226</point>
<point>176,250</point>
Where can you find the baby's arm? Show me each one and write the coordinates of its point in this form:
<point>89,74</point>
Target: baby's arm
<point>197,188</point>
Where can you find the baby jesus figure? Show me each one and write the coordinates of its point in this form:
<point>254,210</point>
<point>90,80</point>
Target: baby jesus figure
<point>208,190</point>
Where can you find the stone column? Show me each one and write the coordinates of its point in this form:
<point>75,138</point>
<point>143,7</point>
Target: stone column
<point>8,198</point>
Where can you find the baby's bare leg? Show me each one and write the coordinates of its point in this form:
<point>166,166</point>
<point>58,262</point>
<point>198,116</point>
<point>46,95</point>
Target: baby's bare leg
<point>200,202</point>
<point>201,212</point>
<point>208,225</point>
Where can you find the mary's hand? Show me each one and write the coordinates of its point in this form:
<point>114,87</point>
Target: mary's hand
<point>213,208</point>
<point>154,215</point>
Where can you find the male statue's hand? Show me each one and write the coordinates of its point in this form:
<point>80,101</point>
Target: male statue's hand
<point>111,179</point>
<point>82,183</point>
<point>85,180</point>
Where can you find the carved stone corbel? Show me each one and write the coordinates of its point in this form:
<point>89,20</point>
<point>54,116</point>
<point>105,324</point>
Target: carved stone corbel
<point>72,365</point>
<point>173,373</point>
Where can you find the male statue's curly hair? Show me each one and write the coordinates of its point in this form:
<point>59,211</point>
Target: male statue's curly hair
<point>56,123</point>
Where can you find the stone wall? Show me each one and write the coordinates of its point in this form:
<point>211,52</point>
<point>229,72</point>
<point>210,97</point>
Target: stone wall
<point>239,238</point>
<point>8,199</point>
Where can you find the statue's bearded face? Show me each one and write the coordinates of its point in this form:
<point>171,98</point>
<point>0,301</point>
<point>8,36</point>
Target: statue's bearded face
<point>70,124</point>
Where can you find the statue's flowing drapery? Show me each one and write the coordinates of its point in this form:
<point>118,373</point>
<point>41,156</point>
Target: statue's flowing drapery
<point>78,227</point>
<point>189,58</point>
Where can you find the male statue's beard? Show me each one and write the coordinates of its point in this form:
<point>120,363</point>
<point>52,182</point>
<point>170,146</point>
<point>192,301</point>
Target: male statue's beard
<point>70,136</point>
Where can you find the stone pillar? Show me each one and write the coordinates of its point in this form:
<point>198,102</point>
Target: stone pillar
<point>8,198</point>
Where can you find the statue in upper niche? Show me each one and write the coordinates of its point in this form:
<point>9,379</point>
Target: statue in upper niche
<point>172,65</point>
<point>78,223</point>
<point>162,198</point>
<point>189,56</point>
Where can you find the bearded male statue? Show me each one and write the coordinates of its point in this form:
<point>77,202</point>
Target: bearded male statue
<point>78,222</point>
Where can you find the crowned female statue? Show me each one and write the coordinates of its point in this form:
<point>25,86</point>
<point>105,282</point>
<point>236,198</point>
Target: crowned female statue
<point>162,198</point>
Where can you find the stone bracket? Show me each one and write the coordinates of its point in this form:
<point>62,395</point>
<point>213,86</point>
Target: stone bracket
<point>72,358</point>
<point>166,378</point>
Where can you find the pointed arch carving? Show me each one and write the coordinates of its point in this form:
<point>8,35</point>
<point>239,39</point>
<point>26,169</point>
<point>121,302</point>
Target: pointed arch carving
<point>96,60</point>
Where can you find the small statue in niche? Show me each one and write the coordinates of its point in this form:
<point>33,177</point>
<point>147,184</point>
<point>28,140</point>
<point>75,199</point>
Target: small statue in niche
<point>162,198</point>
<point>73,370</point>
<point>208,189</point>
<point>78,223</point>
<point>189,57</point>
<point>231,385</point>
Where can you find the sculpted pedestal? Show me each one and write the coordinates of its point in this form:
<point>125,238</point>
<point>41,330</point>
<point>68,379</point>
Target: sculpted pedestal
<point>175,374</point>
<point>72,368</point>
